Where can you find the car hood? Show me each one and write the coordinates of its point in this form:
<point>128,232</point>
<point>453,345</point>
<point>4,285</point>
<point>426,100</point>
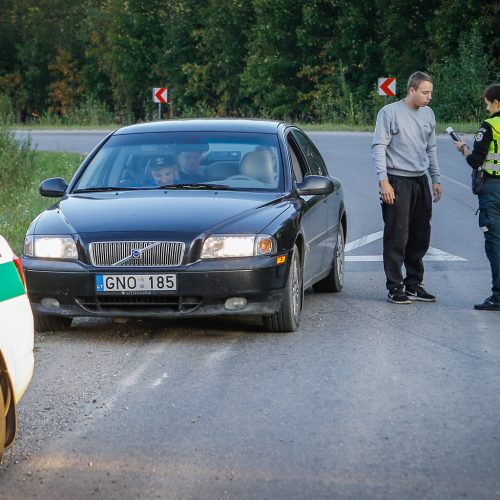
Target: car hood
<point>167,212</point>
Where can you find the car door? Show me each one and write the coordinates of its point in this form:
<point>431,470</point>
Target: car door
<point>331,202</point>
<point>314,214</point>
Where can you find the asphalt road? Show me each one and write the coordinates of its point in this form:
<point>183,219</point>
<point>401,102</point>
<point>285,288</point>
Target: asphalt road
<point>367,400</point>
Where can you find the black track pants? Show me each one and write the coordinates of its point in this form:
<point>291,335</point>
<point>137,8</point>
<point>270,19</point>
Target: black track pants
<point>407,230</point>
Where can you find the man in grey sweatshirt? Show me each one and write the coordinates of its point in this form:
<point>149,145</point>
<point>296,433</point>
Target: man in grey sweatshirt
<point>404,149</point>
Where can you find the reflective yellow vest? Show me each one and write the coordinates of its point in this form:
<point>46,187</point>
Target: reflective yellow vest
<point>492,163</point>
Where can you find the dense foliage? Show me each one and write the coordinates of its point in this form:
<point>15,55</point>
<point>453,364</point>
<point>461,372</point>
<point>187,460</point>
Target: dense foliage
<point>312,60</point>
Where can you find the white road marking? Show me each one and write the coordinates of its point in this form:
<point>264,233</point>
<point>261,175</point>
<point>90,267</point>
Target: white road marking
<point>158,381</point>
<point>214,358</point>
<point>433,254</point>
<point>363,258</point>
<point>364,241</point>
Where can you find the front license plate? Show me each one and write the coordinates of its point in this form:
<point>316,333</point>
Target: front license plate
<point>136,282</point>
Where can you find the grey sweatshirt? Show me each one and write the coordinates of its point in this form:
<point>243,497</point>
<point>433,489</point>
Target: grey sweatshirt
<point>404,142</point>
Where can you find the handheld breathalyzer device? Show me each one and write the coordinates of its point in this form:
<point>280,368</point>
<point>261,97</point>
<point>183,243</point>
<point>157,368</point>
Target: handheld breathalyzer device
<point>453,134</point>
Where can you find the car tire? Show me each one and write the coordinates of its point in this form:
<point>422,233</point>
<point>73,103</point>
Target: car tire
<point>45,323</point>
<point>334,282</point>
<point>3,423</point>
<point>287,319</point>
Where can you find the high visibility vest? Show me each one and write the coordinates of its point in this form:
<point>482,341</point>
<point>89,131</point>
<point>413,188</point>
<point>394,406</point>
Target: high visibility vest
<point>492,163</point>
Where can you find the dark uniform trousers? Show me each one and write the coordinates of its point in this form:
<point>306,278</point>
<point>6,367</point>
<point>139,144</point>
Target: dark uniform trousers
<point>407,230</point>
<point>489,222</point>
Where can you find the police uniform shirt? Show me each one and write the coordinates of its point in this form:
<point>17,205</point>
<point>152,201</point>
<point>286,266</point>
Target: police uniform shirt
<point>482,141</point>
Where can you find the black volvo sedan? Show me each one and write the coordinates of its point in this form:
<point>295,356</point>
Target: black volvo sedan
<point>185,218</point>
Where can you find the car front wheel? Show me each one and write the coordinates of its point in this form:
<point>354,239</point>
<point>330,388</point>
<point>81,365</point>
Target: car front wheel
<point>287,319</point>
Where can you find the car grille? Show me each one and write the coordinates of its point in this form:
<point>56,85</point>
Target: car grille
<point>136,304</point>
<point>136,253</point>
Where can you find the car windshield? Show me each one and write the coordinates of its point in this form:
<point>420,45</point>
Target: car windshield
<point>185,160</point>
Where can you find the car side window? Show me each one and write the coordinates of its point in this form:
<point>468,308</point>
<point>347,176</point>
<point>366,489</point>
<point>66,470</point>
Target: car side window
<point>298,165</point>
<point>316,164</point>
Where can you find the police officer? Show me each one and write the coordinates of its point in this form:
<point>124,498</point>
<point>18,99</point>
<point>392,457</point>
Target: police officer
<point>485,155</point>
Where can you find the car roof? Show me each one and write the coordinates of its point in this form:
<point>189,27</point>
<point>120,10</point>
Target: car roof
<point>204,125</point>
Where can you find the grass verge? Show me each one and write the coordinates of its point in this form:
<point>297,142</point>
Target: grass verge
<point>20,204</point>
<point>463,128</point>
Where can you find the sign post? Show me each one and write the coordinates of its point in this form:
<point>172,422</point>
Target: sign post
<point>160,95</point>
<point>387,86</point>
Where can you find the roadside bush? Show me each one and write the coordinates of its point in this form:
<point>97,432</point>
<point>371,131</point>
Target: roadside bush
<point>200,110</point>
<point>6,110</point>
<point>16,166</point>
<point>91,113</point>
<point>460,80</point>
<point>16,161</point>
<point>333,100</point>
<point>20,201</point>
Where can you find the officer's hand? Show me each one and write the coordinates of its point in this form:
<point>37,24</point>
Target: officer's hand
<point>462,147</point>
<point>386,192</point>
<point>436,189</point>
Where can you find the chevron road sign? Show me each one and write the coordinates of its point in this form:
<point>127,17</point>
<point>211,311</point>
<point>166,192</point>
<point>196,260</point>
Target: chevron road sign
<point>160,95</point>
<point>387,86</point>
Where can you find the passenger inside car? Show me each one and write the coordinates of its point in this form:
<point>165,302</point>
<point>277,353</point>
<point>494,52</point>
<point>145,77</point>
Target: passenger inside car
<point>163,170</point>
<point>189,158</point>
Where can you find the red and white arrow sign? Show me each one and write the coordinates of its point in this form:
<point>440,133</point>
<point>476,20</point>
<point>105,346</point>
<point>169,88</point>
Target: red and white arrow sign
<point>387,86</point>
<point>160,94</point>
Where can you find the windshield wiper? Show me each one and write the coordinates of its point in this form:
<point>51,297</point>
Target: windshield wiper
<point>106,188</point>
<point>193,186</point>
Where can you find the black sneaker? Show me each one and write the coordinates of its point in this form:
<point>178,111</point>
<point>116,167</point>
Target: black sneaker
<point>397,296</point>
<point>418,292</point>
<point>488,305</point>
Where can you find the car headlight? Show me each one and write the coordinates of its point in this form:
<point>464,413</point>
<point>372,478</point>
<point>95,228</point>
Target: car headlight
<point>50,247</point>
<point>220,246</point>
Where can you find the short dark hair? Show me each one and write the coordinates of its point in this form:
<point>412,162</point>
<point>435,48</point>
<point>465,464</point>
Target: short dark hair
<point>416,79</point>
<point>492,92</point>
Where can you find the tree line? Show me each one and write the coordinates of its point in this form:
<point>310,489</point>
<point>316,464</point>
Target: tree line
<point>307,60</point>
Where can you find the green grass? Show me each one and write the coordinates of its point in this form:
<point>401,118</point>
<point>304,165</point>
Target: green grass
<point>464,128</point>
<point>334,127</point>
<point>461,128</point>
<point>19,205</point>
<point>39,126</point>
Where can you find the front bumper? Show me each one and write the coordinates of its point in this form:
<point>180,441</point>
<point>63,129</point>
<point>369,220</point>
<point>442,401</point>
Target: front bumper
<point>202,289</point>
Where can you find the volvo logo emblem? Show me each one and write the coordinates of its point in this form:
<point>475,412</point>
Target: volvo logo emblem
<point>136,253</point>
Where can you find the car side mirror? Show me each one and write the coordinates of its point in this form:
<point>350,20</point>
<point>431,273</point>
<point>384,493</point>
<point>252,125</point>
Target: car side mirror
<point>54,187</point>
<point>315,184</point>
